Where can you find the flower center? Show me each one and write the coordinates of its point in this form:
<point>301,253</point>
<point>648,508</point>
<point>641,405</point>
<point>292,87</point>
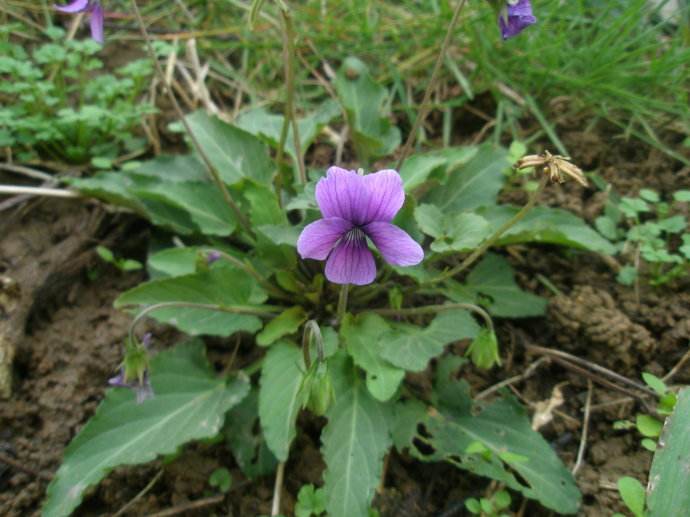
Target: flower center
<point>355,236</point>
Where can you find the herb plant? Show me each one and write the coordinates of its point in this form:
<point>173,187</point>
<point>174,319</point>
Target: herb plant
<point>58,105</point>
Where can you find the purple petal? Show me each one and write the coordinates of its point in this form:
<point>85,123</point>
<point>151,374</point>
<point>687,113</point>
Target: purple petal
<point>517,18</point>
<point>351,262</point>
<point>342,194</point>
<point>143,391</point>
<point>395,245</point>
<point>97,23</point>
<point>385,195</point>
<point>119,380</point>
<point>318,238</point>
<point>77,6</point>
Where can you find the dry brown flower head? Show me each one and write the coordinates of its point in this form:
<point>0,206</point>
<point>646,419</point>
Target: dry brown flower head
<point>556,166</point>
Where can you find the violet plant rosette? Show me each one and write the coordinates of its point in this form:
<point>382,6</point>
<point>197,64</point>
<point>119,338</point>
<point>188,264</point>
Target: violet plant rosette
<point>94,10</point>
<point>514,17</point>
<point>356,207</point>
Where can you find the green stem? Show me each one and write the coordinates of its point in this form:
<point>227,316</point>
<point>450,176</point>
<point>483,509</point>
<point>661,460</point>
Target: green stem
<point>424,108</point>
<point>250,270</point>
<point>342,302</point>
<point>215,176</point>
<point>289,59</point>
<point>472,257</point>
<point>264,310</point>
<point>434,309</point>
<point>312,329</point>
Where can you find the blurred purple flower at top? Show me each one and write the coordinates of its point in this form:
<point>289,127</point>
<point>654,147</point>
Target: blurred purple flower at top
<point>516,16</point>
<point>95,11</point>
<point>355,207</point>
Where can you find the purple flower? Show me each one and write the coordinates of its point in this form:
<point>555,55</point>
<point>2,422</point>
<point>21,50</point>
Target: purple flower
<point>355,207</point>
<point>142,389</point>
<point>212,257</point>
<point>96,15</point>
<point>516,16</point>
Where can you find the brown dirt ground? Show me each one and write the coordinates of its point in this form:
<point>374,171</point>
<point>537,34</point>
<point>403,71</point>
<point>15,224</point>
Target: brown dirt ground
<point>70,344</point>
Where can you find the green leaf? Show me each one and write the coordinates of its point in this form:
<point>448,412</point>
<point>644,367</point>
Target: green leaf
<point>649,195</point>
<point>372,133</point>
<point>353,443</point>
<point>178,168</point>
<point>222,285</point>
<point>419,167</point>
<point>247,445</point>
<point>549,226</point>
<point>310,501</point>
<point>655,383</point>
<point>268,126</point>
<point>221,479</point>
<point>363,338</point>
<point>682,196</point>
<point>648,426</point>
<point>493,277</point>
<point>505,430</point>
<point>669,477</point>
<point>633,495</point>
<point>627,275</point>
<point>234,153</point>
<point>456,232</point>
<point>287,322</point>
<point>189,404</point>
<point>411,348</point>
<point>474,184</point>
<point>203,203</point>
<point>607,227</point>
<point>281,397</point>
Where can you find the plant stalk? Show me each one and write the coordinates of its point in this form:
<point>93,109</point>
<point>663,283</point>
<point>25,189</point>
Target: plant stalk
<point>342,302</point>
<point>215,176</point>
<point>434,309</point>
<point>472,257</point>
<point>424,107</point>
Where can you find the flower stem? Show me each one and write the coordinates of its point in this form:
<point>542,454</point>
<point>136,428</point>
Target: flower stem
<point>342,302</point>
<point>433,309</point>
<point>264,310</point>
<point>215,176</point>
<point>424,107</point>
<point>472,257</point>
<point>289,59</point>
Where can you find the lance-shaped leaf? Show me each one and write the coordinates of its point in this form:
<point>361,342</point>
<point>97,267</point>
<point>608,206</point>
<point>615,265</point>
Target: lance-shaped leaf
<point>189,404</point>
<point>547,225</point>
<point>281,397</point>
<point>353,442</point>
<point>223,286</point>
<point>234,153</point>
<point>669,477</point>
<point>411,347</point>
<point>363,337</point>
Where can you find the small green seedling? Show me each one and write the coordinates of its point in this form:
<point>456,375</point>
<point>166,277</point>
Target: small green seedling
<point>633,494</point>
<point>220,479</point>
<point>650,233</point>
<point>310,501</point>
<point>124,265</point>
<point>489,507</point>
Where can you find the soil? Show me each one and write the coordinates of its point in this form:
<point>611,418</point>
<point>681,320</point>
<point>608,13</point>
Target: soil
<point>67,339</point>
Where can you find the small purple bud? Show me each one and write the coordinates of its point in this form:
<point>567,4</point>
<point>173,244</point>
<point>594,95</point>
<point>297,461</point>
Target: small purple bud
<point>212,257</point>
<point>515,17</point>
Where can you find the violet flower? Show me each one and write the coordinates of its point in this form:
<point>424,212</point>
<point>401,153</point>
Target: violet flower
<point>516,16</point>
<point>95,11</point>
<point>355,207</point>
<point>142,389</point>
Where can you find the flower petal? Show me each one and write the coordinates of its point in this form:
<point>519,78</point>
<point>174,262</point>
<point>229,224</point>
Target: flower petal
<point>318,238</point>
<point>517,18</point>
<point>395,245</point>
<point>97,23</point>
<point>342,194</point>
<point>351,262</point>
<point>76,6</point>
<point>385,195</point>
